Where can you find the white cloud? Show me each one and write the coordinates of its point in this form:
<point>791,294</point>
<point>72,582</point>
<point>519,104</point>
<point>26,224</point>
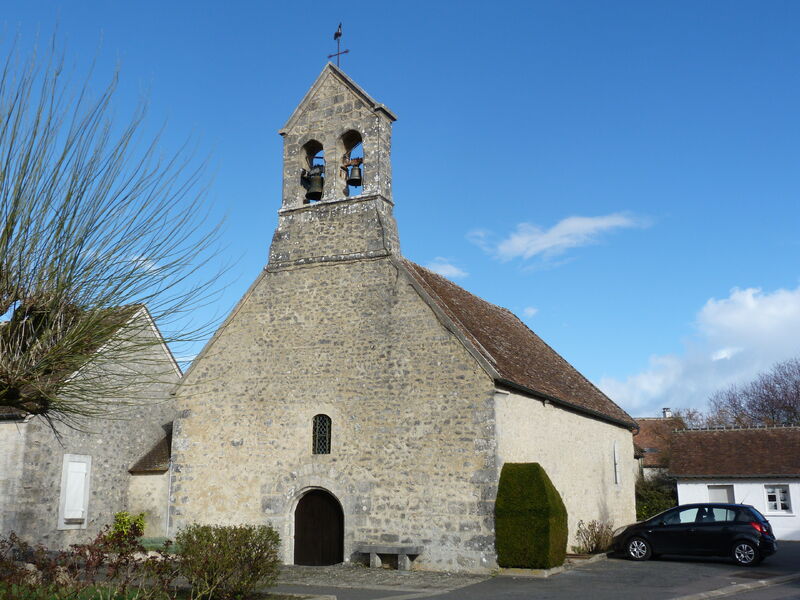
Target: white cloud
<point>529,240</point>
<point>736,338</point>
<point>443,266</point>
<point>529,311</point>
<point>725,353</point>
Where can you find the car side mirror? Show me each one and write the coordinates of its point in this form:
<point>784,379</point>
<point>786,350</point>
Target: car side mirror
<point>662,523</point>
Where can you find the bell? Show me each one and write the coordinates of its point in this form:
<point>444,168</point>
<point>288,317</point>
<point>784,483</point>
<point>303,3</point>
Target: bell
<point>314,191</point>
<point>354,178</point>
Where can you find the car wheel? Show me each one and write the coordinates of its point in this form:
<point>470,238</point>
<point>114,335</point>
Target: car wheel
<point>638,549</point>
<point>745,554</point>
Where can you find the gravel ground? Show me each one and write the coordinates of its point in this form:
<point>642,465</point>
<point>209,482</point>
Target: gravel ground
<point>357,576</point>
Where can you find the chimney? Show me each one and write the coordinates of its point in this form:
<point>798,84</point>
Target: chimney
<point>666,413</point>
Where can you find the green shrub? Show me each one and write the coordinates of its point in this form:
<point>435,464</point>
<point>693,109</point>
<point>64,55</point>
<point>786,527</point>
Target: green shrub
<point>593,537</point>
<point>654,495</point>
<point>126,525</point>
<point>109,567</point>
<point>228,562</point>
<point>530,519</point>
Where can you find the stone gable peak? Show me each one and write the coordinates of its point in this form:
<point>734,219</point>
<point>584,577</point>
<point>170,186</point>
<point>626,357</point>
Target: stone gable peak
<point>333,80</point>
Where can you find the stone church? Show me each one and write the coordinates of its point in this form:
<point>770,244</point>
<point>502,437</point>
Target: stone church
<point>355,399</point>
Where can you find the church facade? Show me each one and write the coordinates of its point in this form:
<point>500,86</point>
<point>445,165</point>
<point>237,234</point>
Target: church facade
<point>353,397</point>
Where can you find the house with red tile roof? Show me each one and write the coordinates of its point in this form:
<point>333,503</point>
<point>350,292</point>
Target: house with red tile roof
<point>758,466</point>
<point>653,439</point>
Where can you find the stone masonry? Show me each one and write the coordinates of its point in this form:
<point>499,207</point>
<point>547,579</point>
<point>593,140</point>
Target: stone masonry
<point>337,325</point>
<point>30,476</point>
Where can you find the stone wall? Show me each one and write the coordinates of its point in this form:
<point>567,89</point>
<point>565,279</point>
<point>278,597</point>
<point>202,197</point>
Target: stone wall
<point>576,451</point>
<point>334,106</point>
<point>12,453</point>
<point>148,494</point>
<point>114,445</point>
<point>412,455</point>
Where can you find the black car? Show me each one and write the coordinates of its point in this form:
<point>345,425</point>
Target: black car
<point>735,530</point>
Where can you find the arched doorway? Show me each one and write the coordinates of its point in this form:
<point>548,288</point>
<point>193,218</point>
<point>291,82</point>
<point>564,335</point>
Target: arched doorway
<point>318,530</point>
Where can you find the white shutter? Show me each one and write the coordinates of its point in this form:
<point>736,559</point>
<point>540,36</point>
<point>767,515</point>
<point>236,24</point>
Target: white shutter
<point>74,495</point>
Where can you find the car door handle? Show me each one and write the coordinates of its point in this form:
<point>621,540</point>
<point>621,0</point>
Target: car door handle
<point>692,530</point>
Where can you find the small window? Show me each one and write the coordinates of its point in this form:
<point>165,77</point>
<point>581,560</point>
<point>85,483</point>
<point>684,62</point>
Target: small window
<point>73,503</point>
<point>321,441</point>
<point>617,473</point>
<point>778,499</point>
<point>720,493</point>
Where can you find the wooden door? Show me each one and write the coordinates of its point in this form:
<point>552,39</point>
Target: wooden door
<point>318,530</point>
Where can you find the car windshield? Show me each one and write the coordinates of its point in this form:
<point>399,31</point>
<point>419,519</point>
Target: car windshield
<point>758,514</point>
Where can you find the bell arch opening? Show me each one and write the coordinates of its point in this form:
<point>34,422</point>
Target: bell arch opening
<point>351,171</point>
<point>318,529</point>
<point>312,174</point>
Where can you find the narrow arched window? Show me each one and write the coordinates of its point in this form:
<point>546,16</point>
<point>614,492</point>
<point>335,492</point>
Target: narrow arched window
<point>312,176</point>
<point>352,168</point>
<point>321,436</point>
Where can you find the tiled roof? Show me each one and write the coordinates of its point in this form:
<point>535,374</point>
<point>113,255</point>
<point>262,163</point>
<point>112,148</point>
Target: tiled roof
<point>518,355</point>
<point>772,451</point>
<point>638,451</point>
<point>157,458</point>
<point>654,438</point>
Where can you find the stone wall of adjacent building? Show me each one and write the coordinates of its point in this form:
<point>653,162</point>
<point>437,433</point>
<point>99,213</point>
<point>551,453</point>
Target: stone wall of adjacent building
<point>576,451</point>
<point>114,445</point>
<point>148,494</point>
<point>412,456</point>
<point>12,454</point>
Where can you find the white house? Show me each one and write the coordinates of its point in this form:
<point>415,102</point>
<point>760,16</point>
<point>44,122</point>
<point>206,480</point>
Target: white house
<point>756,466</point>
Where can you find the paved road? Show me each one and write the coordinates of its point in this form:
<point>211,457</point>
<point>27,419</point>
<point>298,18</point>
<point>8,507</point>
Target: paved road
<point>612,579</point>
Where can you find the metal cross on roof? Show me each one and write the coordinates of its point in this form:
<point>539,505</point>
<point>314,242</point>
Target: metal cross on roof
<point>338,36</point>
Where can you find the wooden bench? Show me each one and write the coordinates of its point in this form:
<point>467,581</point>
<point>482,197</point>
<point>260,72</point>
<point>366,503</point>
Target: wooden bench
<point>402,552</point>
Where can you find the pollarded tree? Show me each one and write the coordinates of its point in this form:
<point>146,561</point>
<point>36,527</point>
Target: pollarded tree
<point>94,223</point>
<point>772,398</point>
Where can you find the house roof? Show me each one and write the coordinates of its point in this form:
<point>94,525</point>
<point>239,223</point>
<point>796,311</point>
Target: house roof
<point>721,453</point>
<point>654,437</point>
<point>112,320</point>
<point>519,357</point>
<point>157,458</point>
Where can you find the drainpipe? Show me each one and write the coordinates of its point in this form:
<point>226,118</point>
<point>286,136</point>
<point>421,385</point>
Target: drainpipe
<point>169,497</point>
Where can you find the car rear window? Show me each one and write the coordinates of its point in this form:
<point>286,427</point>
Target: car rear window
<point>721,515</point>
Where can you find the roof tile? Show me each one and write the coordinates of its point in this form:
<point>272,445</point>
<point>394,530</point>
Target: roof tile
<point>773,451</point>
<point>516,353</point>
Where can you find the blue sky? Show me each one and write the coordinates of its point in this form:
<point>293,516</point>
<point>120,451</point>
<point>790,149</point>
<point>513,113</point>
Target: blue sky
<point>622,175</point>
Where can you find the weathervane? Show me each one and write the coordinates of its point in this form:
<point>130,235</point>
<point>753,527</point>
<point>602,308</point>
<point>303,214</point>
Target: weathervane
<point>338,36</point>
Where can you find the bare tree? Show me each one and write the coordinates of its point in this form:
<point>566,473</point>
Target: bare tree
<point>94,224</point>
<point>772,398</point>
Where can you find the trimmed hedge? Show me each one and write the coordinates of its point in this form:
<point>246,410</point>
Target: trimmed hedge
<point>530,519</point>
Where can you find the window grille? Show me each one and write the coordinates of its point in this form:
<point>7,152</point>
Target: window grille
<point>322,434</point>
